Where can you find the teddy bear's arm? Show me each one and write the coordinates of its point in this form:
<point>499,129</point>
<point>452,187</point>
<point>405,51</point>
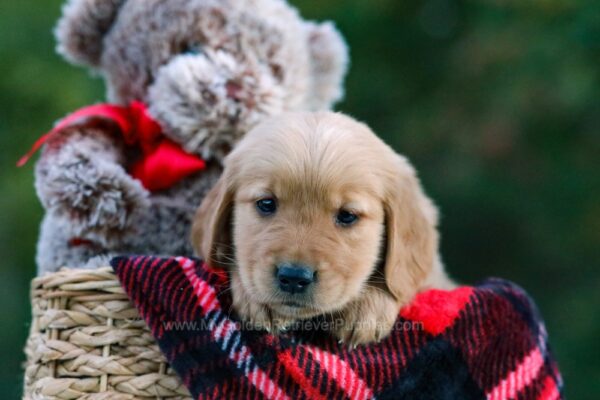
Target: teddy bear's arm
<point>81,176</point>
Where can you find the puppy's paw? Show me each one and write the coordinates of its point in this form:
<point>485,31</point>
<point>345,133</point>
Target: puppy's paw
<point>367,320</point>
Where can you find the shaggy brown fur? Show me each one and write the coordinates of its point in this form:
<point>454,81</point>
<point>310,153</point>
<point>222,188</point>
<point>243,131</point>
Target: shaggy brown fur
<point>208,71</point>
<point>314,165</point>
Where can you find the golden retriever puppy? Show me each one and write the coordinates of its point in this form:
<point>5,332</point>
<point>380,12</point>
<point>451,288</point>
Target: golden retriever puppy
<point>315,215</point>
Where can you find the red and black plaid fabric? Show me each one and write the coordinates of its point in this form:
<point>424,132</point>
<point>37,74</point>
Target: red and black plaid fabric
<point>481,342</point>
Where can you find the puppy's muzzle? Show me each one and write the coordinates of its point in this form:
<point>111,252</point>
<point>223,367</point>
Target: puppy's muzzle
<point>294,277</point>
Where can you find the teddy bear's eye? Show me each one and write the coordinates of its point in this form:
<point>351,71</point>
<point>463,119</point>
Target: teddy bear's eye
<point>192,48</point>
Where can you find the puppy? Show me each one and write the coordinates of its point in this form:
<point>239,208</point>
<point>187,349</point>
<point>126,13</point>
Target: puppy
<point>315,215</point>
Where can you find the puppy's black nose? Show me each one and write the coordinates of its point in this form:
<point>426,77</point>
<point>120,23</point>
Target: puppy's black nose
<point>294,278</point>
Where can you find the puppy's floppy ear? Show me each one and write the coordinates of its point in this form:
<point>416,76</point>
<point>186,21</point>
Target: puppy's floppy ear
<point>412,238</point>
<point>81,29</point>
<point>211,228</point>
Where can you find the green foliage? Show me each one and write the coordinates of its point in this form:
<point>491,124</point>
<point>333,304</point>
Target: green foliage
<point>495,102</point>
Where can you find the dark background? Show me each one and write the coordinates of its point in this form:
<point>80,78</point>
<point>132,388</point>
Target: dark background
<point>496,102</point>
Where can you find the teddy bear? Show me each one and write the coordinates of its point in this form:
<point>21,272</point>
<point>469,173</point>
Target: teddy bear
<point>200,73</point>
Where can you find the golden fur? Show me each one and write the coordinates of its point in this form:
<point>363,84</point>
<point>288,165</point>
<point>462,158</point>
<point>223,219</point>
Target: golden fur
<point>315,164</point>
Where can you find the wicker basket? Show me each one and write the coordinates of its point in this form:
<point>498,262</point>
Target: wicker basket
<point>88,342</point>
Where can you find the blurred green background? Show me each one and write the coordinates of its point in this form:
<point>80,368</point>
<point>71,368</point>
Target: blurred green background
<point>494,101</point>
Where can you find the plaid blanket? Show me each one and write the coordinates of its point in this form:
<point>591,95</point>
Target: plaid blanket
<point>481,342</point>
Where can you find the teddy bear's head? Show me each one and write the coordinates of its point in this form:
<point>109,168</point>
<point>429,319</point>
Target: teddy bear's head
<point>208,69</point>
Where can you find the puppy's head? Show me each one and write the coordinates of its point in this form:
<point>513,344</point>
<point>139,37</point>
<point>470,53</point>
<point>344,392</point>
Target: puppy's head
<point>313,208</point>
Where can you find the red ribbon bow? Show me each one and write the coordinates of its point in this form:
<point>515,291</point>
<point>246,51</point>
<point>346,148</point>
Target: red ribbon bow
<point>163,162</point>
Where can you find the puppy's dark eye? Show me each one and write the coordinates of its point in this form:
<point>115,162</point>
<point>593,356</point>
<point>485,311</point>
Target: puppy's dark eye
<point>266,206</point>
<point>346,218</point>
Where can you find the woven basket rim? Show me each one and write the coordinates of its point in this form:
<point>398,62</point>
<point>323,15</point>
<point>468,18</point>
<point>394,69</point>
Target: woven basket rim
<point>88,340</point>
